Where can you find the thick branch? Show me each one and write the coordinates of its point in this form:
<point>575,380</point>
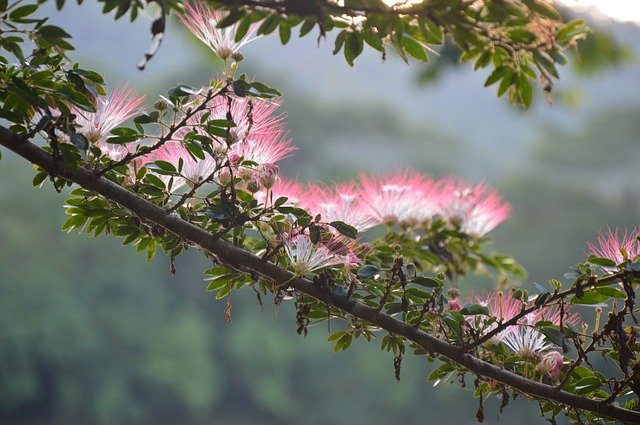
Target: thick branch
<point>244,260</point>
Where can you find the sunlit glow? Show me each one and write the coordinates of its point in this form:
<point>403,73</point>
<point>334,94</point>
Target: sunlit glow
<point>621,10</point>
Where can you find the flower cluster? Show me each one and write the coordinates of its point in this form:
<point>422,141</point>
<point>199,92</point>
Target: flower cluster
<point>111,111</point>
<point>523,338</point>
<point>202,21</point>
<point>306,256</point>
<point>617,246</point>
<point>256,141</point>
<point>405,198</point>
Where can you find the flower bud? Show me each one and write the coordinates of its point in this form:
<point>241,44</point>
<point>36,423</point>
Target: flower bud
<point>160,105</point>
<point>224,177</point>
<point>454,305</point>
<point>237,56</point>
<point>551,364</point>
<point>253,185</point>
<point>268,175</point>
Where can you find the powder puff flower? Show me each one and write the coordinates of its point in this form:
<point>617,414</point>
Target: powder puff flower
<point>202,22</point>
<point>521,338</point>
<point>292,190</point>
<point>193,170</point>
<point>406,198</point>
<point>476,209</point>
<point>502,306</point>
<point>307,257</point>
<point>259,134</point>
<point>528,342</point>
<point>111,111</point>
<point>263,148</point>
<point>341,203</point>
<point>251,116</point>
<point>551,365</point>
<point>617,246</point>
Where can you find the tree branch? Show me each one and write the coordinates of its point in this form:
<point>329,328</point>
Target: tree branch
<point>244,260</point>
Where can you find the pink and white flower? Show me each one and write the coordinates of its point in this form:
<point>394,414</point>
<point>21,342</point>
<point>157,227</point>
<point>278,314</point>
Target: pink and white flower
<point>340,203</point>
<point>617,246</point>
<point>111,111</point>
<point>551,365</point>
<point>306,257</point>
<point>521,338</point>
<point>475,209</point>
<point>194,170</point>
<point>202,21</point>
<point>292,190</point>
<point>405,198</point>
<point>526,341</point>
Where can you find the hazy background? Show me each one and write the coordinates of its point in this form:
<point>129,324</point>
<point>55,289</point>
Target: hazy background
<point>90,333</point>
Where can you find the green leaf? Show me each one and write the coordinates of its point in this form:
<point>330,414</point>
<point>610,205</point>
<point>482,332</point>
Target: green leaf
<point>521,35</point>
<point>165,166</point>
<point>342,35</point>
<point>242,28</point>
<point>542,299</point>
<point>39,178</point>
<point>52,31</point>
<point>572,29</point>
<point>474,309</point>
<point>22,11</point>
<point>440,372</point>
<point>603,262</point>
<point>415,49</point>
<point>285,32</point>
<point>495,76</point>
<point>525,90</point>
<point>306,27</point>
<point>345,229</point>
<point>353,46</point>
<point>587,385</point>
<point>589,298</point>
<point>368,271</point>
<point>428,281</point>
<point>269,25</point>
<point>611,292</point>
<point>233,17</point>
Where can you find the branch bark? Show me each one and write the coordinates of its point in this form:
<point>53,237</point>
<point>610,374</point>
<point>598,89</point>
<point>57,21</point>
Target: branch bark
<point>245,260</point>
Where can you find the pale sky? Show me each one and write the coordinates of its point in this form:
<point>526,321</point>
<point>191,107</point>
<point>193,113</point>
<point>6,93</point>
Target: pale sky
<point>621,10</point>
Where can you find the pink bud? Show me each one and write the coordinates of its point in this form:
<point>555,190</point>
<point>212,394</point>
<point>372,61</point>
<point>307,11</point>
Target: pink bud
<point>551,364</point>
<point>454,305</point>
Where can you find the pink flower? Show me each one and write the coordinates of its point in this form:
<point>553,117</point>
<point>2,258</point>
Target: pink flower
<point>120,105</point>
<point>475,209</point>
<point>454,305</point>
<point>405,198</point>
<point>340,203</point>
<point>551,364</point>
<point>268,175</point>
<point>202,22</point>
<point>251,116</point>
<point>306,257</point>
<point>522,338</point>
<point>501,306</point>
<point>194,170</point>
<point>617,246</point>
<point>282,187</point>
<point>263,148</point>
